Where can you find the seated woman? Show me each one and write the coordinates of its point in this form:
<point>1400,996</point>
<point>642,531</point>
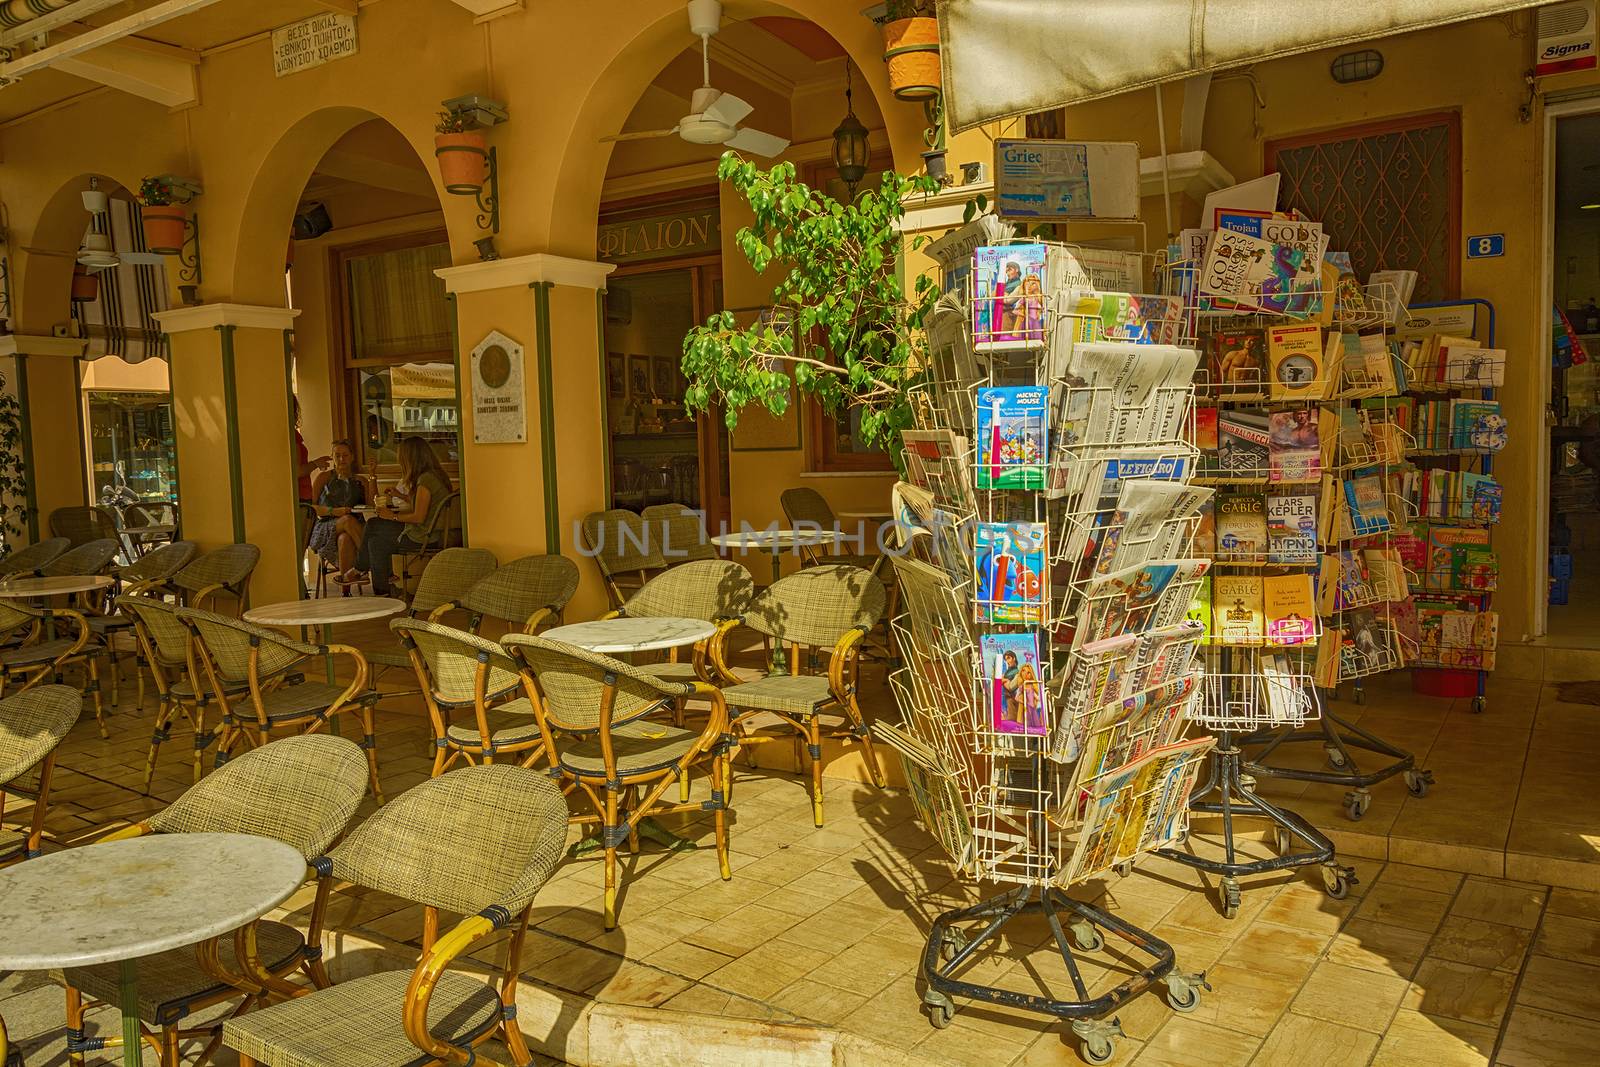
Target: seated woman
<point>423,487</point>
<point>336,537</point>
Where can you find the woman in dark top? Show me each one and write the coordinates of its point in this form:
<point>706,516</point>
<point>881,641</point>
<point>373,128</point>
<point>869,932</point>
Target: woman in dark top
<point>337,535</point>
<point>423,485</point>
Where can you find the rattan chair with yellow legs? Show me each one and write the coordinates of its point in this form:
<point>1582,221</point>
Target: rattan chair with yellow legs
<point>459,671</point>
<point>167,646</point>
<point>29,558</point>
<point>40,655</point>
<point>302,791</point>
<point>9,1057</point>
<point>32,725</point>
<point>446,578</point>
<point>526,595</point>
<point>276,699</point>
<point>832,607</point>
<point>620,543</point>
<point>222,572</point>
<point>592,710</point>
<point>91,558</point>
<point>479,841</point>
<point>145,574</point>
<point>681,533</point>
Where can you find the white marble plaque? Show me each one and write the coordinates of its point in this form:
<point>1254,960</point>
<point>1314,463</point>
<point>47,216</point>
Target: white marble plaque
<point>499,397</point>
<point>312,42</point>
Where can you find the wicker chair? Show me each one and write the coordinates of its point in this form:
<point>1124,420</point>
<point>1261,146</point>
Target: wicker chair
<point>167,646</point>
<point>302,791</point>
<point>89,557</point>
<point>40,655</point>
<point>442,531</point>
<point>683,533</point>
<point>146,573</point>
<point>459,670</point>
<point>480,842</point>
<point>447,578</point>
<point>526,594</point>
<point>804,506</point>
<point>591,709</point>
<point>223,570</point>
<point>29,558</point>
<point>275,698</point>
<point>818,607</point>
<point>80,525</point>
<point>622,548</point>
<point>32,724</point>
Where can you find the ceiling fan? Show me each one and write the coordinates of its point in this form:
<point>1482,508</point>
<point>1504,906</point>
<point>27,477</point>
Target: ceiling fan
<point>714,116</point>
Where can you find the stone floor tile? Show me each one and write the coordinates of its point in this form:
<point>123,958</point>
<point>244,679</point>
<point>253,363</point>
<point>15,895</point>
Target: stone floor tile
<point>1561,985</point>
<point>1482,944</point>
<point>1378,947</point>
<point>1421,877</point>
<point>1574,902</point>
<point>1350,996</point>
<point>1413,1039</point>
<point>1570,938</point>
<point>959,1043</point>
<point>1538,1038</point>
<point>1275,950</point>
<point>1306,1042</point>
<point>1460,991</point>
<point>1496,901</point>
<point>818,1001</point>
<point>1185,1042</point>
<point>691,961</point>
<point>1245,1000</point>
<point>1398,905</point>
<point>638,983</point>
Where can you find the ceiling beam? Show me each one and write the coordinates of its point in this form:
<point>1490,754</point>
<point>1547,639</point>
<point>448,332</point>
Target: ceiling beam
<point>60,17</point>
<point>99,35</point>
<point>168,80</point>
<point>340,7</point>
<point>725,55</point>
<point>378,173</point>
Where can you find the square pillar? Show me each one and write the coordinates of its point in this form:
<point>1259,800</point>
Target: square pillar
<point>231,410</point>
<point>528,497</point>
<point>42,373</point>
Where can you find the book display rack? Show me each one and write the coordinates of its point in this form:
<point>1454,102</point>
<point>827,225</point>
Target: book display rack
<point>1050,674</point>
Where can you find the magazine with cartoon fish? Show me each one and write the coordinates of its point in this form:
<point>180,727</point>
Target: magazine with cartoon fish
<point>1008,283</point>
<point>1013,445</point>
<point>1010,570</point>
<point>1014,690</point>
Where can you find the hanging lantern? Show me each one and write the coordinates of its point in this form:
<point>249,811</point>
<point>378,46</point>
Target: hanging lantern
<point>850,142</point>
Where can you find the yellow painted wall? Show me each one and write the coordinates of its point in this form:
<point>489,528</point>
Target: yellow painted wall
<point>200,421</point>
<point>58,475</point>
<point>269,495</point>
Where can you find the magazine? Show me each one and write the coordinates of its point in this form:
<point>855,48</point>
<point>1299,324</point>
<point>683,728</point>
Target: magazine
<point>935,793</point>
<point>1140,317</point>
<point>1014,689</point>
<point>1140,806</point>
<point>936,460</point>
<point>1149,522</point>
<point>1008,296</point>
<point>1013,442</point>
<point>1010,570</point>
<point>1138,598</point>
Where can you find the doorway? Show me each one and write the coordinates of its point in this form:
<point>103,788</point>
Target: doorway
<point>1572,489</point>
<point>660,452</point>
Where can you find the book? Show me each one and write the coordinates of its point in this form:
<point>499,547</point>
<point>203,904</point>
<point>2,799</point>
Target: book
<point>1199,610</point>
<point>1366,645</point>
<point>1294,355</point>
<point>1015,683</point>
<point>936,460</point>
<point>1236,364</point>
<point>1271,264</point>
<point>1368,512</point>
<point>1205,429</point>
<point>1289,607</point>
<point>1009,572</point>
<point>1448,563</point>
<point>1243,445</point>
<point>1241,528</point>
<point>1008,296</point>
<point>1481,498</point>
<point>1012,433</point>
<point>1292,528</point>
<point>1294,446</point>
<point>1237,611</point>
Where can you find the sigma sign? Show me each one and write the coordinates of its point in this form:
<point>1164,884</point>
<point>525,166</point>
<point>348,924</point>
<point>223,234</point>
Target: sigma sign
<point>1566,35</point>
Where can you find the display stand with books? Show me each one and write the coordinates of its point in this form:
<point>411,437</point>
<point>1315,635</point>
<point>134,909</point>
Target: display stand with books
<point>1049,670</point>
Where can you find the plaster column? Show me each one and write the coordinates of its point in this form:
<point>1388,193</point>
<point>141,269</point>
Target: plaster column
<point>42,372</point>
<point>230,404</point>
<point>527,498</point>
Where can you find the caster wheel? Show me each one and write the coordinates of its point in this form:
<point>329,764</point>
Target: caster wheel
<point>1336,757</point>
<point>1087,938</point>
<point>1247,782</point>
<point>1282,840</point>
<point>1098,1049</point>
<point>1478,705</point>
<point>1230,898</point>
<point>951,946</point>
<point>941,1009</point>
<point>1419,782</point>
<point>1124,868</point>
<point>1356,804</point>
<point>1336,881</point>
<point>1185,1001</point>
<point>1359,696</point>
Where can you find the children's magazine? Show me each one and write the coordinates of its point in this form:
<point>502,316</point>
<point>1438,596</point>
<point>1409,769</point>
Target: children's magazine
<point>1008,296</point>
<point>1012,437</point>
<point>1014,681</point>
<point>1011,572</point>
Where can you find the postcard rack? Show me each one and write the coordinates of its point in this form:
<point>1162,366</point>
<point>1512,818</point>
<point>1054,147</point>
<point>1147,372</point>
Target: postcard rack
<point>1048,667</point>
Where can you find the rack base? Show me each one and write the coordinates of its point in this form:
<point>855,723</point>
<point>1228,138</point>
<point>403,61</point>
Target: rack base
<point>951,947</point>
<point>1338,737</point>
<point>1236,799</point>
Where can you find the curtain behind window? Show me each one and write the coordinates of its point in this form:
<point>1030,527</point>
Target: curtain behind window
<point>397,305</point>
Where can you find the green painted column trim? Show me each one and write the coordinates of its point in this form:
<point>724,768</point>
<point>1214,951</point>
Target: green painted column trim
<point>230,413</point>
<point>172,404</point>
<point>85,468</point>
<point>547,416</point>
<point>461,445</point>
<point>294,460</point>
<point>31,498</point>
<point>605,400</point>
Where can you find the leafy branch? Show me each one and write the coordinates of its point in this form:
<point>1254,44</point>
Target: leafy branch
<point>13,476</point>
<point>841,322</point>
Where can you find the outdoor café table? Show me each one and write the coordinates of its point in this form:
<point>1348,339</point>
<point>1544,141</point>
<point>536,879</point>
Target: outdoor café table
<point>776,542</point>
<point>138,539</point>
<point>868,515</point>
<point>120,900</point>
<point>324,613</point>
<point>27,588</point>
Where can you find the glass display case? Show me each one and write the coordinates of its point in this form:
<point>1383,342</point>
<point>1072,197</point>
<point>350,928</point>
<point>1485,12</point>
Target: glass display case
<point>132,445</point>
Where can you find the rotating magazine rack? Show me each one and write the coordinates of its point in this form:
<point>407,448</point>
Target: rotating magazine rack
<point>1050,673</point>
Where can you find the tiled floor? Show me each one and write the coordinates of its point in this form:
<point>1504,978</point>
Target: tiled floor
<point>1419,966</point>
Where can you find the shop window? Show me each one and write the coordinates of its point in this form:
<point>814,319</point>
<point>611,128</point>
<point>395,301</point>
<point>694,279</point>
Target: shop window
<point>1389,193</point>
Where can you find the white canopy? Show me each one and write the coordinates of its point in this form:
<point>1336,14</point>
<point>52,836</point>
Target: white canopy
<point>1008,57</point>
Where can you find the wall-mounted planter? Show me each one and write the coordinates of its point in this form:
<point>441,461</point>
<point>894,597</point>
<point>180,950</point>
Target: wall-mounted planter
<point>85,286</point>
<point>163,226</point>
<point>911,50</point>
<point>463,160</point>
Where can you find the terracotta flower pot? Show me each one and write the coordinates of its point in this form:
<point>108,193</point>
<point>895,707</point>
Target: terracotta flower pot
<point>85,286</point>
<point>463,160</point>
<point>163,227</point>
<point>911,50</point>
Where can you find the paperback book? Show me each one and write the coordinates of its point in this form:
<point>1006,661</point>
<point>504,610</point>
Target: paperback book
<point>1236,364</point>
<point>1241,528</point>
<point>1294,446</point>
<point>1295,354</point>
<point>1292,529</point>
<point>1243,445</point>
<point>1289,606</point>
<point>1238,617</point>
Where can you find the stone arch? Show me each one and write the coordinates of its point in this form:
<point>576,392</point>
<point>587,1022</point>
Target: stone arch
<point>41,292</point>
<point>659,34</point>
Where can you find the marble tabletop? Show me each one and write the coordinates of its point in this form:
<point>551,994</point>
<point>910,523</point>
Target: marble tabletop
<point>123,899</point>
<point>775,540</point>
<point>150,529</point>
<point>325,611</point>
<point>17,588</point>
<point>611,636</point>
<point>868,515</point>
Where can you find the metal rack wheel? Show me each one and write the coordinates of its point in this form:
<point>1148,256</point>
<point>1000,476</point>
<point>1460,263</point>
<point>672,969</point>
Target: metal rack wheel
<point>1098,1049</point>
<point>1337,880</point>
<point>1356,803</point>
<point>1183,990</point>
<point>1086,937</point>
<point>1282,840</point>
<point>1124,868</point>
<point>951,945</point>
<point>1419,782</point>
<point>1336,757</point>
<point>1098,1039</point>
<point>1230,897</point>
<point>1479,704</point>
<point>941,1009</point>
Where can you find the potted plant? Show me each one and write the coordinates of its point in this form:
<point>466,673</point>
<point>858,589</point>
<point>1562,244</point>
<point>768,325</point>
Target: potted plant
<point>463,153</point>
<point>841,325</point>
<point>911,49</point>
<point>162,219</point>
<point>85,286</point>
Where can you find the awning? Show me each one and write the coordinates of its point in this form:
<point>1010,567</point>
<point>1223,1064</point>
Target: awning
<point>117,322</point>
<point>1003,58</point>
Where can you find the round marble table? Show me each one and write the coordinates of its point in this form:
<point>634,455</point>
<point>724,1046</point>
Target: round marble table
<point>26,588</point>
<point>868,515</point>
<point>612,636</point>
<point>323,613</point>
<point>118,901</point>
<point>776,542</point>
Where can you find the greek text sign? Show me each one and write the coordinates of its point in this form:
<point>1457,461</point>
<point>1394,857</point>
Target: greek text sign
<point>312,42</point>
<point>497,392</point>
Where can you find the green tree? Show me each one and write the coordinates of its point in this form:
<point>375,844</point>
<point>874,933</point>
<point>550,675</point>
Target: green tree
<point>842,323</point>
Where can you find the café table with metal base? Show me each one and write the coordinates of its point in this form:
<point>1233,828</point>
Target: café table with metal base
<point>620,636</point>
<point>121,900</point>
<point>28,588</point>
<point>324,613</point>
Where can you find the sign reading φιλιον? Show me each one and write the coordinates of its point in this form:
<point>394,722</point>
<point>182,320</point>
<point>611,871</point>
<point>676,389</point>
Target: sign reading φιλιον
<point>312,42</point>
